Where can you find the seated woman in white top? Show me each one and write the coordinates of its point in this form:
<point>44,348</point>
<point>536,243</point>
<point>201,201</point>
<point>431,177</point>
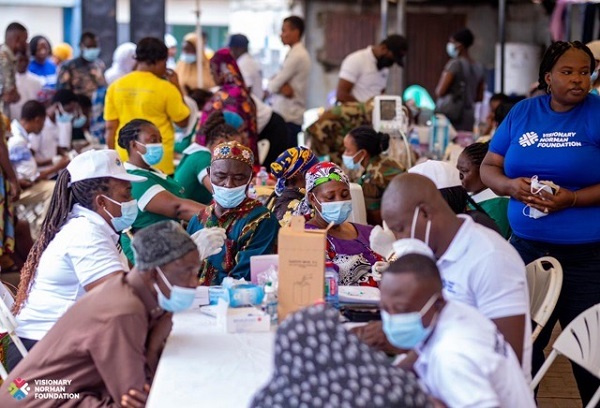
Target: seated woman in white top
<point>77,248</point>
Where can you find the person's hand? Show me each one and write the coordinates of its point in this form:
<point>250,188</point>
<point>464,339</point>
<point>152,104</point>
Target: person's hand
<point>520,189</point>
<point>14,191</point>
<point>172,77</point>
<point>373,336</point>
<point>547,202</point>
<point>135,398</point>
<point>382,240</point>
<point>24,184</point>
<point>11,96</point>
<point>286,90</point>
<point>378,268</point>
<point>209,241</point>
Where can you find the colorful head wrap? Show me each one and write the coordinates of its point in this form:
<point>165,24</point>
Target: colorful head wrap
<point>233,150</point>
<point>293,161</point>
<point>322,173</point>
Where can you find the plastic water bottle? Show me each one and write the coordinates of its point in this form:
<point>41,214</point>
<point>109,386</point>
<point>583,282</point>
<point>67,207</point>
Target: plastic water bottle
<point>262,177</point>
<point>332,278</point>
<point>269,303</point>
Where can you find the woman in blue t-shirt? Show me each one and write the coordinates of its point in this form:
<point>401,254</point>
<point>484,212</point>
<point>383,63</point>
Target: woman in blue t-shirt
<point>555,137</point>
<point>40,63</point>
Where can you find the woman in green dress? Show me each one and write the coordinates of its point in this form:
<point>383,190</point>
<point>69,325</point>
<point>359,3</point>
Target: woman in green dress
<point>159,197</point>
<point>495,206</point>
<point>191,172</point>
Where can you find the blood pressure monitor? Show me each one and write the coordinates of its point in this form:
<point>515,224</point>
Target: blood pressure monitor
<point>389,115</point>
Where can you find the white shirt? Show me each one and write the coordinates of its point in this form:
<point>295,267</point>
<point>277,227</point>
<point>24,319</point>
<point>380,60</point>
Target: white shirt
<point>294,71</point>
<point>263,113</point>
<point>252,74</point>
<point>28,86</point>
<point>481,269</point>
<point>45,144</point>
<point>360,68</point>
<point>467,363</point>
<point>152,191</point>
<point>19,153</point>
<point>83,251</point>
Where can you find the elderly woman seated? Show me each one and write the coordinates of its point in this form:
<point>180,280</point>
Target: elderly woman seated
<point>251,228</point>
<point>290,168</point>
<point>328,192</point>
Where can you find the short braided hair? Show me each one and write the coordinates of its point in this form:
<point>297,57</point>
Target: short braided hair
<point>131,131</point>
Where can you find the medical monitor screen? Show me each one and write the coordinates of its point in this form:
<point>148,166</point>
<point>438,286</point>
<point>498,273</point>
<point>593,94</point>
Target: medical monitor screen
<point>387,109</point>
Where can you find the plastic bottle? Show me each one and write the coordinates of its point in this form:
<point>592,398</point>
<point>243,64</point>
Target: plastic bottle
<point>262,177</point>
<point>269,303</point>
<point>331,285</point>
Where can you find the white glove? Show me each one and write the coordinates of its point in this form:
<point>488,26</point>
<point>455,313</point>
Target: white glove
<point>209,241</point>
<point>378,268</point>
<point>382,240</point>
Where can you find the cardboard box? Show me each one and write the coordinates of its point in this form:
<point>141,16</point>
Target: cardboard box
<point>301,267</point>
<point>239,319</point>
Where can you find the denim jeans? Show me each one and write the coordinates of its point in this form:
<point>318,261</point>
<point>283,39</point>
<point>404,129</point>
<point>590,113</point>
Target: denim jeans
<point>13,355</point>
<point>580,291</point>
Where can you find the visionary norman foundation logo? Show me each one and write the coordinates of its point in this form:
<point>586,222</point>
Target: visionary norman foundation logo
<point>528,139</point>
<point>18,389</point>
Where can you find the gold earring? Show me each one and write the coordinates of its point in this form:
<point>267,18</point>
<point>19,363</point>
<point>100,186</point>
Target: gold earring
<point>549,89</point>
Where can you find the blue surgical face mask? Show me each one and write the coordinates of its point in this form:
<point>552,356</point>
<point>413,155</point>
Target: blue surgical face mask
<point>187,58</point>
<point>229,197</point>
<point>129,212</point>
<point>451,50</point>
<point>181,298</point>
<point>90,54</point>
<point>406,330</point>
<point>336,212</point>
<point>349,162</point>
<point>62,116</point>
<point>594,76</point>
<point>79,121</point>
<point>154,153</point>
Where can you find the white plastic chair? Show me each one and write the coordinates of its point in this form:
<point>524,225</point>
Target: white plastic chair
<point>579,343</point>
<point>544,279</point>
<point>359,209</point>
<point>8,324</point>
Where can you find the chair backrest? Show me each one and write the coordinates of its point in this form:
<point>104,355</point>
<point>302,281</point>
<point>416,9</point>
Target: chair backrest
<point>7,320</point>
<point>580,339</point>
<point>359,209</point>
<point>544,279</point>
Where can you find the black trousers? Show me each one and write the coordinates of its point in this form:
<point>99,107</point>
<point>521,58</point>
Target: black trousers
<point>580,291</point>
<point>276,133</point>
<point>13,355</point>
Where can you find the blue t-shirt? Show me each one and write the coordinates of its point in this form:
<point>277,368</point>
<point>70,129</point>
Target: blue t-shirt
<point>559,147</point>
<point>46,71</point>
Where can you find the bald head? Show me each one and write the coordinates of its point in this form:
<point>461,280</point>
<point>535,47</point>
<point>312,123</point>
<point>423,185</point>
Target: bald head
<point>406,192</point>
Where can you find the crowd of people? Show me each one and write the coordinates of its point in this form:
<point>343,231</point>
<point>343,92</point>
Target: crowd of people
<point>130,229</point>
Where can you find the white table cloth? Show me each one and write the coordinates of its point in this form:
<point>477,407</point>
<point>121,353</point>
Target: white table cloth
<point>204,367</point>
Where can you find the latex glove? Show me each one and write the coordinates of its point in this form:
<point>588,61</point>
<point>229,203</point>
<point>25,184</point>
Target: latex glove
<point>382,240</point>
<point>378,268</point>
<point>209,241</point>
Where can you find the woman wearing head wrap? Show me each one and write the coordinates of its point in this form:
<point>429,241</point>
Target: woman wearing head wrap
<point>318,363</point>
<point>123,62</point>
<point>232,96</point>
<point>328,192</point>
<point>187,66</point>
<point>289,170</point>
<point>41,64</point>
<point>251,228</point>
<point>461,84</point>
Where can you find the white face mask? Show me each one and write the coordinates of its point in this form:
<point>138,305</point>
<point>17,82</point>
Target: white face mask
<point>413,245</point>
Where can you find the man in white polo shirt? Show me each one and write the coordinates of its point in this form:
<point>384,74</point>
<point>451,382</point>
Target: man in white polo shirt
<point>478,267</point>
<point>463,359</point>
<point>364,73</point>
<point>250,69</point>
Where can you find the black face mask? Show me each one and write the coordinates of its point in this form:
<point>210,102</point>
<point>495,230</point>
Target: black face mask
<point>384,62</point>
